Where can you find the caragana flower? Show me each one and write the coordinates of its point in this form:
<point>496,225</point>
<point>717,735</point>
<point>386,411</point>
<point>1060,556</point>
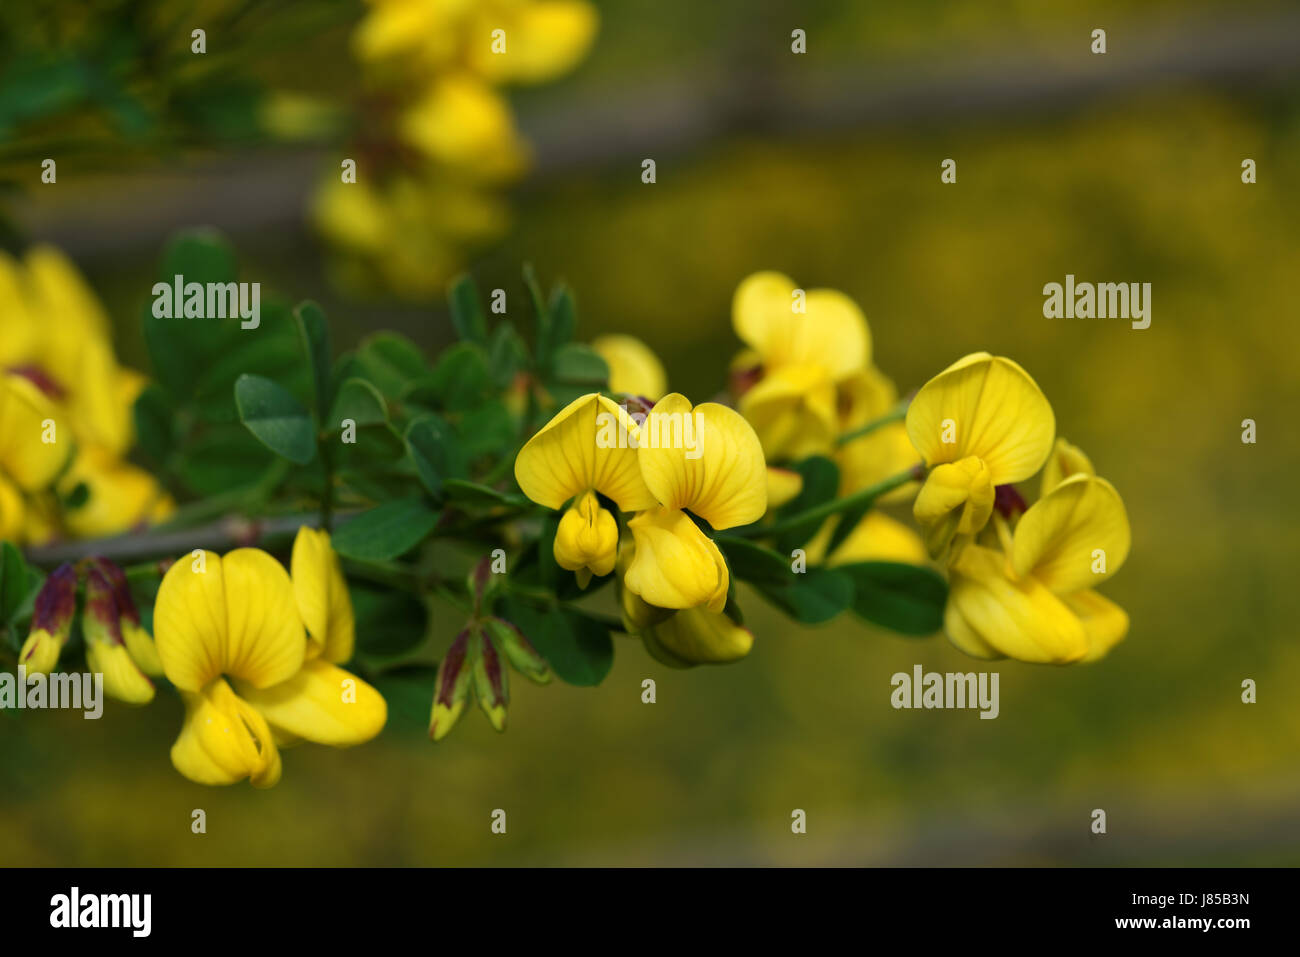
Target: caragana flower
<point>1034,601</point>
<point>718,473</point>
<point>589,447</point>
<point>806,344</point>
<point>633,368</point>
<point>981,423</point>
<point>231,637</point>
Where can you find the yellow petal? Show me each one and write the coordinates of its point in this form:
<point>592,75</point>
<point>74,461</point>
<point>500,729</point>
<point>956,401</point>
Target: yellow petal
<point>462,121</point>
<point>234,615</point>
<point>321,703</point>
<point>876,456</point>
<point>1065,460</point>
<point>40,652</point>
<point>792,409</point>
<point>1104,622</point>
<point>1075,537</point>
<point>633,368</point>
<point>143,650</point>
<point>706,459</point>
<point>962,489</point>
<point>224,740</point>
<point>100,412</point>
<point>830,332</point>
<point>265,642</point>
<point>123,679</point>
<point>697,636</point>
<point>579,450</point>
<point>964,637</point>
<point>783,486</point>
<point>27,420</point>
<point>120,495</point>
<point>587,537</point>
<point>988,407</point>
<point>878,538</point>
<point>675,564</point>
<point>13,511</point>
<point>543,40</point>
<point>321,594</point>
<point>1018,618</point>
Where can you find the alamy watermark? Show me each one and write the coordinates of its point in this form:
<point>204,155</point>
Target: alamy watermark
<point>930,689</point>
<point>1103,300</point>
<point>655,430</point>
<point>82,691</point>
<point>214,300</point>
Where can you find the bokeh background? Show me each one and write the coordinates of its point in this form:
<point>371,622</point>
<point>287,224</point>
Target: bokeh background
<point>1122,167</point>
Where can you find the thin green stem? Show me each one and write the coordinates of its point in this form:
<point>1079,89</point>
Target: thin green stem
<point>824,511</point>
<point>896,414</point>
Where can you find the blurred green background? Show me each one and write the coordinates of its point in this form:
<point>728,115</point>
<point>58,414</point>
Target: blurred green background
<point>1123,167</point>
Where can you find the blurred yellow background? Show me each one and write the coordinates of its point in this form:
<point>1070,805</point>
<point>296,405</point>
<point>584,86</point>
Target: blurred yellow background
<point>1138,181</point>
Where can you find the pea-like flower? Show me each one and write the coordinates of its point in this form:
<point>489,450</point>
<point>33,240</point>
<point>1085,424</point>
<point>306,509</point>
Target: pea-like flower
<point>981,423</point>
<point>589,447</point>
<point>633,368</point>
<point>255,656</point>
<point>1033,598</point>
<point>717,473</point>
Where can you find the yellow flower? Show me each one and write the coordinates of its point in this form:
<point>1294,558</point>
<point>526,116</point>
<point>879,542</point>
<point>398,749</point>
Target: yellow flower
<point>588,447</point>
<point>877,538</point>
<point>121,496</point>
<point>863,461</point>
<point>1034,601</point>
<point>806,343</point>
<point>986,420</point>
<point>461,121</point>
<point>679,639</point>
<point>542,38</point>
<point>706,459</point>
<point>240,619</point>
<point>1065,460</point>
<point>106,650</point>
<point>633,368</point>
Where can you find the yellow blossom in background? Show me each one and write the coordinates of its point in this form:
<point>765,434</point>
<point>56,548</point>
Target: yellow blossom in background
<point>254,655</point>
<point>442,138</point>
<point>981,423</point>
<point>1034,600</point>
<point>633,368</point>
<point>58,367</point>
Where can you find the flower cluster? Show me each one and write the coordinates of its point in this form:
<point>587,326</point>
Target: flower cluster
<point>1022,578</point>
<point>674,579</point>
<point>65,411</point>
<point>440,140</point>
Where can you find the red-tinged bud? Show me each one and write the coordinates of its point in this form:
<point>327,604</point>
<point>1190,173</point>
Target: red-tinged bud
<point>1008,501</point>
<point>106,651</point>
<point>479,583</point>
<point>55,607</point>
<point>139,643</point>
<point>452,684</point>
<point>491,684</point>
<point>518,650</point>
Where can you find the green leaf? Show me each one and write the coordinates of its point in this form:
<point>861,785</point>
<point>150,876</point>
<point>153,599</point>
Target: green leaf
<point>811,596</point>
<point>154,423</point>
<point>460,380</point>
<point>577,647</point>
<point>389,622</point>
<point>486,430</point>
<point>507,354</point>
<point>821,479</point>
<point>315,336</point>
<point>391,362</point>
<point>578,364</point>
<point>359,401</point>
<point>563,320</point>
<point>905,598</point>
<point>222,458</point>
<point>434,450</point>
<point>462,492</point>
<point>13,581</point>
<point>276,418</point>
<point>386,531</point>
<point>467,311</point>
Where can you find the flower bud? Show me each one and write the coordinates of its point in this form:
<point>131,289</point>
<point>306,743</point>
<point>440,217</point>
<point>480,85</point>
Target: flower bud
<point>491,683</point>
<point>518,650</point>
<point>106,652</point>
<point>452,684</point>
<point>139,643</point>
<point>56,604</point>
